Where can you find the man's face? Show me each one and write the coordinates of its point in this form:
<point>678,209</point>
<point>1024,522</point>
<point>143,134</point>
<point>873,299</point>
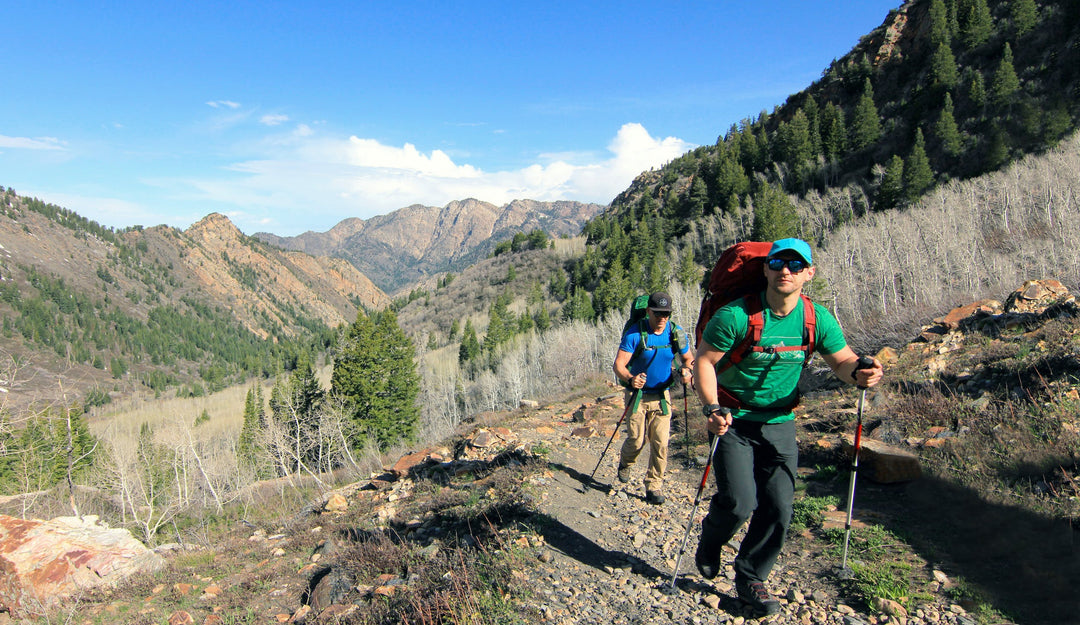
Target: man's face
<point>784,281</point>
<point>658,320</point>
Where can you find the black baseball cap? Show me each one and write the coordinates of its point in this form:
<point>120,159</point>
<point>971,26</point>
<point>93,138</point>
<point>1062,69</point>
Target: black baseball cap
<point>660,302</point>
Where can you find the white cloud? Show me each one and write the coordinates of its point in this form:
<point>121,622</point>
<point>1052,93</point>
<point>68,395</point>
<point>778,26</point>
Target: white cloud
<point>308,181</point>
<point>223,103</point>
<point>274,119</point>
<point>26,143</point>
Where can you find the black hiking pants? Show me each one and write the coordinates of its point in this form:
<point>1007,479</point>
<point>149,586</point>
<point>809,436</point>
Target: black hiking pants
<point>755,465</point>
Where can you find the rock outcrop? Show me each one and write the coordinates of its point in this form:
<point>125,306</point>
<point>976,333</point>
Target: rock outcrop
<point>43,562</point>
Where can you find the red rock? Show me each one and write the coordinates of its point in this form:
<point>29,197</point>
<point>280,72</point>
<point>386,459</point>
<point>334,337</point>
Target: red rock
<point>43,562</point>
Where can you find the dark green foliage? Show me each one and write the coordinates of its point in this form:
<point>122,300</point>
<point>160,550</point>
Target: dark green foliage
<point>1005,82</point>
<point>939,24</point>
<point>947,134</point>
<point>865,123</point>
<point>774,215</point>
<point>375,370</point>
<point>296,402</point>
<point>502,324</point>
<point>943,71</point>
<point>614,290</point>
<point>833,131</point>
<point>535,240</point>
<point>1024,15</point>
<point>470,345</point>
<point>579,307</point>
<point>248,450</point>
<point>918,177</point>
<point>891,190</point>
<point>976,23</point>
<point>37,455</point>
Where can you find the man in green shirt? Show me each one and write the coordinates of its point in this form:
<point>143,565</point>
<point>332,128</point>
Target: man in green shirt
<point>749,406</point>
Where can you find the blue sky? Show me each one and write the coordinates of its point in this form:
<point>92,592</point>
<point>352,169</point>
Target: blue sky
<point>291,116</point>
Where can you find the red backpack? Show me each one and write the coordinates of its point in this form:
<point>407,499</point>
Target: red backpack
<point>740,272</point>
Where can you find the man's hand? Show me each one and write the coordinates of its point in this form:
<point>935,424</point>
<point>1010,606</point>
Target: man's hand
<point>719,421</point>
<point>687,378</point>
<point>638,381</point>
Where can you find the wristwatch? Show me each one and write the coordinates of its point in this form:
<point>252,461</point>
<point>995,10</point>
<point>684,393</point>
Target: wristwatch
<point>708,409</point>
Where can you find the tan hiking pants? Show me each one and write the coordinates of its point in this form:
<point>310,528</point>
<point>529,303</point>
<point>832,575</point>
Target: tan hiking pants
<point>650,420</point>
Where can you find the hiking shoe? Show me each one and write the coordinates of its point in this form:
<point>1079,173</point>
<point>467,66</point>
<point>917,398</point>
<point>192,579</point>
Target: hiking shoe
<point>708,567</point>
<point>624,473</point>
<point>755,595</point>
<point>654,497</point>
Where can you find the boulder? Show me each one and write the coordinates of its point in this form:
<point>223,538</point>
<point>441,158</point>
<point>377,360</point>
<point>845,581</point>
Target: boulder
<point>883,463</point>
<point>43,562</point>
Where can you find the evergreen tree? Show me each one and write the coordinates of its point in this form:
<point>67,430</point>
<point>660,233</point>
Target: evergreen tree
<point>295,404</point>
<point>470,345</point>
<point>542,319</point>
<point>455,327</point>
<point>1005,82</point>
<point>939,24</point>
<point>976,23</point>
<point>659,272</point>
<point>775,216</point>
<point>580,307</point>
<point>948,135</point>
<point>375,370</point>
<point>688,273</point>
<point>918,177</point>
<point>833,131</point>
<point>865,124</point>
<point>1024,14</point>
<point>614,290</point>
<point>943,72</point>
<point>247,447</point>
<point>977,89</point>
<point>558,285</point>
<point>693,207</point>
<point>892,185</point>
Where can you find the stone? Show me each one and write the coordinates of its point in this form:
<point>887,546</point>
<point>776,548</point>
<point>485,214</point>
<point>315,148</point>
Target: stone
<point>883,463</point>
<point>336,503</point>
<point>44,562</point>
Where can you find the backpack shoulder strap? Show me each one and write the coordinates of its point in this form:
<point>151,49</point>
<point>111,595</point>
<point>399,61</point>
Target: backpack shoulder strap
<point>755,325</point>
<point>809,329</point>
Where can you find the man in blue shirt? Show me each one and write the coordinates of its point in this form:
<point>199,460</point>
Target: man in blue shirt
<point>644,363</point>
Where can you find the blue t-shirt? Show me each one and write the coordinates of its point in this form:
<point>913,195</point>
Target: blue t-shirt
<point>657,356</point>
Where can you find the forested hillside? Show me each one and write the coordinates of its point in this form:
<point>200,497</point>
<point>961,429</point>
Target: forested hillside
<point>944,90</point>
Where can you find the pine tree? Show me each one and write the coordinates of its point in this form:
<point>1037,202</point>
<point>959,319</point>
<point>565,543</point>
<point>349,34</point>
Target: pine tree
<point>688,273</point>
<point>1024,14</point>
<point>892,185</point>
<point>865,124</point>
<point>918,177</point>
<point>948,135</point>
<point>295,404</point>
<point>579,307</point>
<point>375,370</point>
<point>470,345</point>
<point>977,89</point>
<point>1005,82</point>
<point>775,216</point>
<point>976,23</point>
<point>247,449</point>
<point>833,131</point>
<point>939,24</point>
<point>943,72</point>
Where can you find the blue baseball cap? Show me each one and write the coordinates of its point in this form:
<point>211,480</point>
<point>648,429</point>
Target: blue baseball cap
<point>800,247</point>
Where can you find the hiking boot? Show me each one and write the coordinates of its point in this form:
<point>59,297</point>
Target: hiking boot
<point>755,595</point>
<point>654,497</point>
<point>706,565</point>
<point>624,473</point>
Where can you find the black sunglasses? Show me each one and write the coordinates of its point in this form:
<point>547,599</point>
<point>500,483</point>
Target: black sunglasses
<point>794,265</point>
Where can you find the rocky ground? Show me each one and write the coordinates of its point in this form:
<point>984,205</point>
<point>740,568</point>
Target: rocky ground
<point>611,556</point>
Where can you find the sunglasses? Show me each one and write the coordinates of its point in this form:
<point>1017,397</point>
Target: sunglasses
<point>794,265</point>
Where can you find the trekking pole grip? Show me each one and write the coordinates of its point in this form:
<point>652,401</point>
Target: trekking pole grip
<point>864,362</point>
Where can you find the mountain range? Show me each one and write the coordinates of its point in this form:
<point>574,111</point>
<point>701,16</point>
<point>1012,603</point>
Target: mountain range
<point>399,249</point>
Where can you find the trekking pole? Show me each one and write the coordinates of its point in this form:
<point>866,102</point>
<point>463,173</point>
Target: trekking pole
<point>629,405</point>
<point>697,499</point>
<point>685,419</point>
<point>865,362</point>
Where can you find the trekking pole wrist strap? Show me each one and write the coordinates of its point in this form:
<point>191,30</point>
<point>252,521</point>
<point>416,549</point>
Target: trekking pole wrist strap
<point>709,409</point>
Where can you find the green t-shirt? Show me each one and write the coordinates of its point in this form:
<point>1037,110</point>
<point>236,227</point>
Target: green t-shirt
<point>761,379</point>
